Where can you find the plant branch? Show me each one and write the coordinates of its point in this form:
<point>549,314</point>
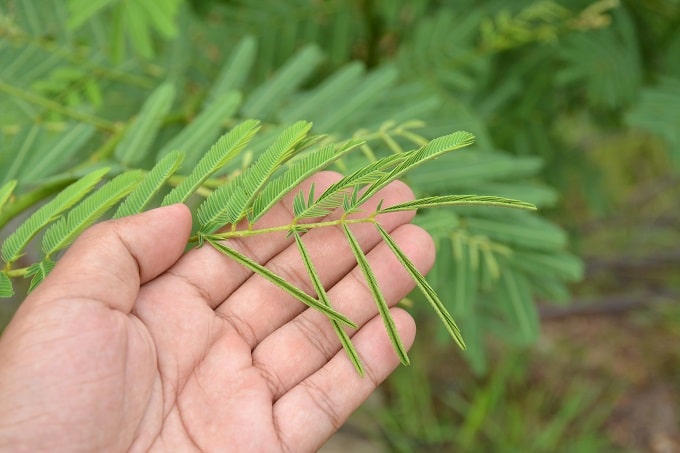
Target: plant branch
<point>233,234</point>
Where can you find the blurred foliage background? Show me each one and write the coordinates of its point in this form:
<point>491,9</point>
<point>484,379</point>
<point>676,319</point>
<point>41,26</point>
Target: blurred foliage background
<point>571,316</point>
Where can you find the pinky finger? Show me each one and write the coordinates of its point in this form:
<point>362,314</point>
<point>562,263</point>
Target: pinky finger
<point>312,411</point>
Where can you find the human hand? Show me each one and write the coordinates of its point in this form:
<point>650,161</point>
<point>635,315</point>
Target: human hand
<point>129,344</point>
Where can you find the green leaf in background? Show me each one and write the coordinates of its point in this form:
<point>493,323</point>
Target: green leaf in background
<point>134,20</point>
<point>267,97</point>
<point>520,305</point>
<point>524,231</point>
<point>657,112</point>
<point>326,95</point>
<point>22,147</point>
<point>235,71</point>
<point>82,10</point>
<point>136,142</point>
<point>55,154</point>
<point>362,95</point>
<point>194,139</point>
<point>6,192</point>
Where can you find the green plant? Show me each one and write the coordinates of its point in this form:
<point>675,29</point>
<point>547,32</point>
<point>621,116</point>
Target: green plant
<point>73,105</point>
<point>496,413</point>
<point>245,197</point>
<point>572,97</point>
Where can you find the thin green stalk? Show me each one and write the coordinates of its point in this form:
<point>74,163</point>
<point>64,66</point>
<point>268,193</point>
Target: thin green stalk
<point>277,229</point>
<point>15,273</point>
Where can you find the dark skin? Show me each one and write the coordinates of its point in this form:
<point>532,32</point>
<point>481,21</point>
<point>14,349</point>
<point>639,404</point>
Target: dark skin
<point>131,344</point>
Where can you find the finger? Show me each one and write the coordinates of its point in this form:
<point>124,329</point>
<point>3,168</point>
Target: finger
<point>110,260</point>
<point>309,338</point>
<point>258,308</point>
<point>313,410</point>
<point>213,276</point>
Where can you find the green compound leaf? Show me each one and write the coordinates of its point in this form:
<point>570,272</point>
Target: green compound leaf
<point>150,185</point>
<point>335,195</point>
<point>281,283</point>
<point>48,213</point>
<point>39,271</point>
<point>220,207</point>
<point>56,153</point>
<point>380,301</point>
<point>82,10</point>
<point>6,289</point>
<point>62,233</point>
<point>267,97</point>
<point>253,179</point>
<point>323,297</point>
<point>516,290</point>
<point>432,150</point>
<point>135,143</point>
<point>299,171</point>
<point>232,201</point>
<point>226,148</point>
<point>459,200</point>
<point>425,288</point>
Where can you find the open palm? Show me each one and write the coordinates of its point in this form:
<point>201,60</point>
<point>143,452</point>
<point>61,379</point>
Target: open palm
<point>132,344</point>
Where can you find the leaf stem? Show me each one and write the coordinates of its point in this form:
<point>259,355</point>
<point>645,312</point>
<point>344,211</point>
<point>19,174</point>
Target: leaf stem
<point>14,273</point>
<point>232,234</point>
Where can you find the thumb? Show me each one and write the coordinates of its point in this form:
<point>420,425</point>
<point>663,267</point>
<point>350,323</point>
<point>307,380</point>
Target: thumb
<point>110,260</point>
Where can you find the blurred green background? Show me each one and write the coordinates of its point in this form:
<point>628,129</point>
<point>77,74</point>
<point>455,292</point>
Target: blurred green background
<point>572,316</point>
